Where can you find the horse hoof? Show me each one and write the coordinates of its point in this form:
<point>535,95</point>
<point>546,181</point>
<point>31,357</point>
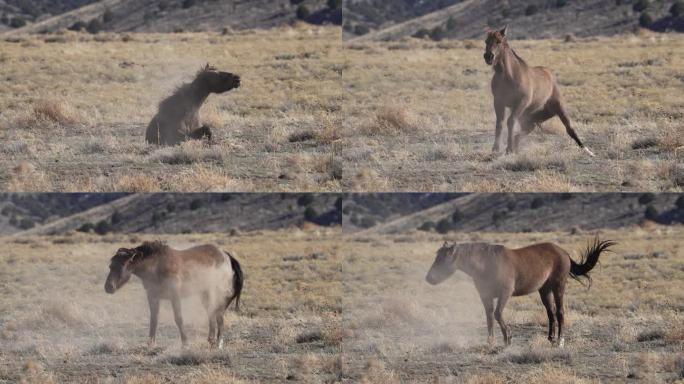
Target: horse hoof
<point>561,343</point>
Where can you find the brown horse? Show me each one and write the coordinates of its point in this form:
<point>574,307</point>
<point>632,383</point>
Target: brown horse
<point>531,93</point>
<point>499,273</point>
<point>171,274</point>
<point>178,117</point>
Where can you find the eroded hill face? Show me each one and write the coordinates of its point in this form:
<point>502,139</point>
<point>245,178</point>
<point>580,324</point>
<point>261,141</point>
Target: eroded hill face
<point>165,15</point>
<point>466,19</point>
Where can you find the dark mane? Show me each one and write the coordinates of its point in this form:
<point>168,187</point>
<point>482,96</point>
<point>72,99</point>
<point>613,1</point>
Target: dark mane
<point>149,248</point>
<point>517,56</point>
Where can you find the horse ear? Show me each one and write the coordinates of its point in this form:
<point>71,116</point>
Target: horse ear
<point>504,30</point>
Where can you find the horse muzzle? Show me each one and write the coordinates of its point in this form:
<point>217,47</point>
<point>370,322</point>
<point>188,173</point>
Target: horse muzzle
<point>488,58</point>
<point>109,288</point>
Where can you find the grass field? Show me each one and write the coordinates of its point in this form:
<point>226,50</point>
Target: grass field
<point>420,118</point>
<point>627,327</point>
<point>57,324</point>
<point>74,109</point>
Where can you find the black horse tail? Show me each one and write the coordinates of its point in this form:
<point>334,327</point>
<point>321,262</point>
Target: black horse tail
<point>238,282</point>
<point>589,259</point>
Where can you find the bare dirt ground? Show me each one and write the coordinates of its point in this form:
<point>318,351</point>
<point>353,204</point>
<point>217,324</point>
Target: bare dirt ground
<point>58,325</point>
<point>626,328</point>
<point>74,108</point>
<point>420,117</point>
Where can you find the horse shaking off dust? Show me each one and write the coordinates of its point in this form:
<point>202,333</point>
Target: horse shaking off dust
<point>531,93</point>
<point>170,274</point>
<point>499,273</point>
<point>178,117</point>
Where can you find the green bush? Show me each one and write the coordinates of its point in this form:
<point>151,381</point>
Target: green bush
<point>116,218</point>
<point>296,2</point>
<point>651,212</point>
<point>303,12</point>
<point>17,22</point>
<point>95,26</point>
<point>421,33</point>
<point>360,29</point>
<point>305,200</point>
<point>367,222</point>
<point>443,226</point>
<point>640,5</point>
<point>78,26</point>
<point>196,204</point>
<point>26,223</point>
<point>437,34</point>
<point>310,213</point>
<point>334,4</point>
<point>531,10</point>
<point>561,3</point>
<point>451,24</point>
<point>645,19</point>
<point>680,202</point>
<point>103,227</point>
<point>189,3</point>
<point>171,206</point>
<point>457,216</point>
<point>86,227</point>
<point>427,226</point>
<point>108,16</point>
<point>338,204</point>
<point>537,202</point>
<point>677,8</point>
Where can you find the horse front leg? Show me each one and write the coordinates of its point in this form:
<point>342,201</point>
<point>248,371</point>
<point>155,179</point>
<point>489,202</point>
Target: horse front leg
<point>516,114</point>
<point>178,317</point>
<point>153,301</point>
<point>488,303</point>
<point>500,110</point>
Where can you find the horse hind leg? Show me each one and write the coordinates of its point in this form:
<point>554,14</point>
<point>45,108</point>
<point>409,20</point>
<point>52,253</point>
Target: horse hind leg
<point>563,116</point>
<point>498,315</point>
<point>201,133</point>
<point>560,313</point>
<point>206,302</point>
<point>547,299</point>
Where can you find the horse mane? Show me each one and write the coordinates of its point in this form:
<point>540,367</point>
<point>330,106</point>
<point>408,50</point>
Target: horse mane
<point>185,90</point>
<point>149,248</point>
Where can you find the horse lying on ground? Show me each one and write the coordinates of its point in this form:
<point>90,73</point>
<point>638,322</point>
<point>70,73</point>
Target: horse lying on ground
<point>499,273</point>
<point>170,274</point>
<point>178,117</point>
<point>531,93</point>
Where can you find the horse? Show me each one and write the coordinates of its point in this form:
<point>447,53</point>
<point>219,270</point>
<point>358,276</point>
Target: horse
<point>531,93</point>
<point>166,273</point>
<point>499,273</point>
<point>178,118</point>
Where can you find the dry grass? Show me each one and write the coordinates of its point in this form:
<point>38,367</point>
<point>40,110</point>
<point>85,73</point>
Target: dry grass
<point>81,333</point>
<point>400,329</point>
<point>421,117</point>
<point>81,120</point>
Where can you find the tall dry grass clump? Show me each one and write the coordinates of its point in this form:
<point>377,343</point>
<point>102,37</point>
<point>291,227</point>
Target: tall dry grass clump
<point>390,120</point>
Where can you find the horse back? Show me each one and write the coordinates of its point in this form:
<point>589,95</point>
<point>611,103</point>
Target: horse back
<point>537,264</point>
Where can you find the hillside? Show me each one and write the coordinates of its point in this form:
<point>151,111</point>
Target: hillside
<point>163,213</point>
<point>513,212</point>
<point>369,20</point>
<point>168,15</point>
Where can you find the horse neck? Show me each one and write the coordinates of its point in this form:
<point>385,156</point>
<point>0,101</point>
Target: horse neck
<point>197,94</point>
<point>145,268</point>
<point>508,63</point>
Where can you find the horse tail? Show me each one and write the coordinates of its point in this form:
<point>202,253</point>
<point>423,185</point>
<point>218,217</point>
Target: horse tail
<point>238,282</point>
<point>589,259</point>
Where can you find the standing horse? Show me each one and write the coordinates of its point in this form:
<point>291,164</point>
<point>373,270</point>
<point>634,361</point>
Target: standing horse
<point>531,93</point>
<point>499,273</point>
<point>170,274</point>
<point>178,117</point>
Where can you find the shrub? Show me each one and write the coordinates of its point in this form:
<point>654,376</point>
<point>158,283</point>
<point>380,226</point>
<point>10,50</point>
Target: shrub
<point>537,202</point>
<point>117,217</point>
<point>421,33</point>
<point>498,216</point>
<point>95,26</point>
<point>505,12</point>
<point>334,4</point>
<point>170,207</point>
<point>78,26</point>
<point>189,3</point>
<point>226,197</point>
<point>443,226</point>
<point>86,227</point>
<point>108,16</point>
<point>158,216</point>
<point>427,226</point>
<point>645,19</point>
<point>303,12</point>
<point>26,223</point>
<point>361,29</point>
<point>103,227</point>
<point>680,202</point>
<point>651,212</point>
<point>510,206</point>
<point>305,200</point>
<point>310,213</point>
<point>456,216</point>
<point>451,24</point>
<point>437,34</point>
<point>677,8</point>
<point>17,22</point>
<point>640,5</point>
<point>338,204</point>
<point>196,204</point>
<point>296,2</point>
<point>367,222</point>
<point>646,198</point>
<point>561,3</point>
<point>531,10</point>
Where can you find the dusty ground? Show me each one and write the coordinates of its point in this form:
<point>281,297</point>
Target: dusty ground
<point>74,108</point>
<point>58,325</point>
<point>419,117</point>
<point>626,328</point>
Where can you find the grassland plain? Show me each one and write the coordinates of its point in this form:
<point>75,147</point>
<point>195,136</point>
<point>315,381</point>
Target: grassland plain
<point>420,117</point>
<point>626,328</point>
<point>58,325</point>
<point>74,108</point>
